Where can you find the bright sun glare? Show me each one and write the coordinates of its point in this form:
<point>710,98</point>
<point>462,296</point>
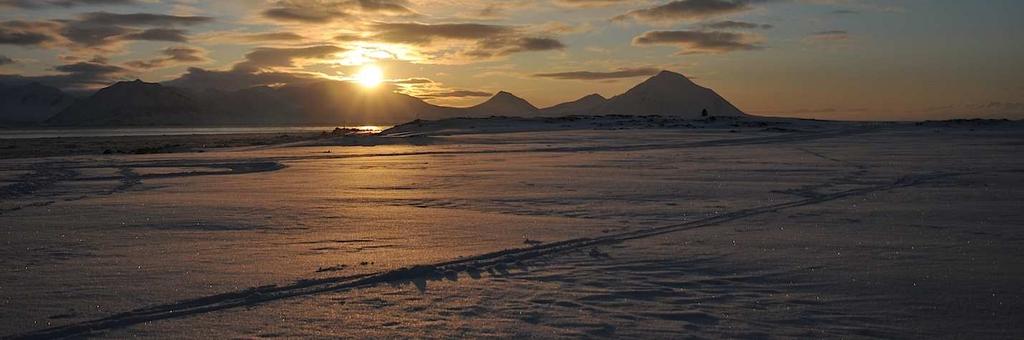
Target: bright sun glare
<point>370,76</point>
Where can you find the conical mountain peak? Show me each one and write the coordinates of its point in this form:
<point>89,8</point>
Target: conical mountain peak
<point>672,94</point>
<point>505,96</point>
<point>504,104</point>
<point>667,78</point>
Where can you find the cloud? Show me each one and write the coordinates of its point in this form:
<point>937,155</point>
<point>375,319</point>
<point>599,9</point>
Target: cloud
<point>498,9</point>
<point>591,3</point>
<point>172,56</point>
<point>454,94</point>
<point>87,35</point>
<point>4,60</point>
<point>735,25</point>
<point>693,42</point>
<point>158,34</point>
<point>590,75</point>
<point>484,41</point>
<point>412,81</point>
<point>303,15</point>
<point>262,66</point>
<point>28,33</point>
<point>536,44</point>
<point>76,76</point>
<point>321,12</point>
<point>267,57</point>
<point>495,10</point>
<point>232,80</point>
<point>417,33</point>
<point>844,12</point>
<point>140,19</point>
<point>689,10</point>
<point>89,68</point>
<point>348,37</point>
<point>98,30</point>
<point>504,46</point>
<point>101,29</point>
<point>385,6</point>
<point>827,37</point>
<point>34,4</point>
<point>557,27</point>
<point>271,36</point>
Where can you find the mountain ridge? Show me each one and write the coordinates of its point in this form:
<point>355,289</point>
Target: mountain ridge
<point>138,103</point>
<point>584,104</point>
<point>31,103</point>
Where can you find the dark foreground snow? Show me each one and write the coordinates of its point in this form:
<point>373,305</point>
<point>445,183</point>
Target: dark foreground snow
<point>822,231</point>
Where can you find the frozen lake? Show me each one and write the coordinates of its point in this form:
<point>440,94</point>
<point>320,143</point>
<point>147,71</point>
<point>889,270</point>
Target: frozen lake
<point>895,232</point>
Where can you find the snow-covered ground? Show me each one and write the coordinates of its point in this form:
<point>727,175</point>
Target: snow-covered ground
<point>829,230</point>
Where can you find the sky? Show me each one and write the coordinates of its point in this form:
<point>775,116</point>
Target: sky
<point>825,59</point>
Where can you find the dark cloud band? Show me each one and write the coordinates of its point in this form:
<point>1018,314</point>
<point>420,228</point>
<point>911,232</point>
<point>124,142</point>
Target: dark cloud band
<point>591,75</point>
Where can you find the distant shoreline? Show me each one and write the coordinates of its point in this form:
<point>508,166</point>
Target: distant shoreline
<point>140,145</point>
<point>56,142</point>
<point>76,132</point>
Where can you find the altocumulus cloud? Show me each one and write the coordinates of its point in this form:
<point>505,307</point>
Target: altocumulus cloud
<point>827,36</point>
<point>692,42</point>
<point>411,81</point>
<point>267,57</point>
<point>454,94</point>
<point>322,12</point>
<point>158,34</point>
<point>486,41</point>
<point>28,33</point>
<point>76,76</point>
<point>33,4</point>
<point>690,10</point>
<point>591,3</point>
<point>172,56</point>
<point>262,66</point>
<point>418,33</point>
<point>270,36</point>
<point>735,25</point>
<point>591,75</point>
<point>98,30</point>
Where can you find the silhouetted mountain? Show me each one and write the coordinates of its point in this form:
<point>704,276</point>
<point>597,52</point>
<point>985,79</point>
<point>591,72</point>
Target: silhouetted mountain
<point>503,104</point>
<point>31,103</point>
<point>326,102</point>
<point>669,94</point>
<point>585,105</point>
<point>133,103</point>
<point>252,106</point>
<point>332,102</point>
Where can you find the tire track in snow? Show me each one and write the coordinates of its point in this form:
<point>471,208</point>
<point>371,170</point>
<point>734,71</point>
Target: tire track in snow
<point>498,261</point>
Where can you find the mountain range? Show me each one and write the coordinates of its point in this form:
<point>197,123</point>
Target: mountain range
<point>138,103</point>
<point>31,103</point>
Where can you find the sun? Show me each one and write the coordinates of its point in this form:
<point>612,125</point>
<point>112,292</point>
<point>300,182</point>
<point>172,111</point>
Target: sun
<point>370,76</point>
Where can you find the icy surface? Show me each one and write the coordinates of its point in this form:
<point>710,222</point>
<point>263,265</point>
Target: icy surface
<point>889,231</point>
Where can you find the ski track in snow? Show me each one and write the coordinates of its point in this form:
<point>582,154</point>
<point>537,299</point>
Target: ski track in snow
<point>129,176</point>
<point>498,261</point>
